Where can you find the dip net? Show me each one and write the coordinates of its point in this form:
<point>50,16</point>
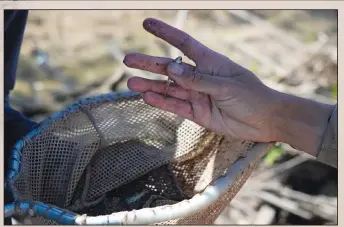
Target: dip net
<point>112,159</point>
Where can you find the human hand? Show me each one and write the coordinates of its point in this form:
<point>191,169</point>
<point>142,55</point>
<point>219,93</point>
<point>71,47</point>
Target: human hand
<point>217,93</point>
<point>223,96</point>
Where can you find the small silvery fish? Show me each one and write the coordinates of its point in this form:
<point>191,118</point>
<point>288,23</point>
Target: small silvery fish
<point>169,81</point>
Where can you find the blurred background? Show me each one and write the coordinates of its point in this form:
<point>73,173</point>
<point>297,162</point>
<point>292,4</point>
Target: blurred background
<point>71,54</point>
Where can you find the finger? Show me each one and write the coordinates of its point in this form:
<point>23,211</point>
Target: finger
<point>149,63</point>
<point>199,102</point>
<point>139,84</point>
<point>192,48</point>
<point>191,79</point>
<point>173,105</point>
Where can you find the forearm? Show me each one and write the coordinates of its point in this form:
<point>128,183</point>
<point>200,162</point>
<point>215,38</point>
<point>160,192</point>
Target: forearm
<point>302,123</point>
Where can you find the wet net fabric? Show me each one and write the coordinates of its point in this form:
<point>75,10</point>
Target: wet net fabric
<point>115,153</point>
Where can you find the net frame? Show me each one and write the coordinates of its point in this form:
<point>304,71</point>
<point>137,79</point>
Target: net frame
<point>223,189</point>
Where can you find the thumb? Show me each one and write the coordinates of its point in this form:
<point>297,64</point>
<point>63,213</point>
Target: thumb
<point>189,78</point>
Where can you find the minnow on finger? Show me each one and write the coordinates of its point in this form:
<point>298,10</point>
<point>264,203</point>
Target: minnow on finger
<point>178,60</point>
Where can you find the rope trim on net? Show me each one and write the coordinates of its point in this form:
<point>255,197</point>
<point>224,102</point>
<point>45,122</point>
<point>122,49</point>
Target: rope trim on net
<point>159,214</point>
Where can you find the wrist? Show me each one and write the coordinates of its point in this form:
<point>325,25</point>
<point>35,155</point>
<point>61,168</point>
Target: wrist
<point>300,122</point>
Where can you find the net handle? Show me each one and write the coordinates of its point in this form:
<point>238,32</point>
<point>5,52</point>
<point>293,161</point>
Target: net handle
<point>184,208</point>
<point>34,208</point>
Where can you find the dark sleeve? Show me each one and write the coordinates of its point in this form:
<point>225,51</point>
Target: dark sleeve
<point>328,150</point>
<point>16,125</point>
<point>15,22</point>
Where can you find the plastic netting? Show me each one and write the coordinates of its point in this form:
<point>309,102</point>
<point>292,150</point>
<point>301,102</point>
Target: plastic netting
<point>114,153</point>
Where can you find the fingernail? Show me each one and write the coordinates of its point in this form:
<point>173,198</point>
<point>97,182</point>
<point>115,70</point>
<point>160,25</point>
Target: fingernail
<point>176,69</point>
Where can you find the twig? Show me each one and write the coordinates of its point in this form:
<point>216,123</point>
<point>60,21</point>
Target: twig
<point>297,195</point>
<point>256,186</point>
<point>285,204</point>
<point>270,173</point>
<point>322,206</point>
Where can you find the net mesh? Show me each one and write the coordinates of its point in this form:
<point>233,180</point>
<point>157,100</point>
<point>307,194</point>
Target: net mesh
<point>116,153</point>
